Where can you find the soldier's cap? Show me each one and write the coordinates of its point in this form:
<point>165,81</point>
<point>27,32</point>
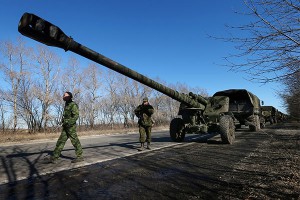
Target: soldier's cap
<point>145,99</point>
<point>70,94</point>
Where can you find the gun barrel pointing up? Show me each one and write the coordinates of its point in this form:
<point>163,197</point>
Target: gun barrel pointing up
<point>43,31</point>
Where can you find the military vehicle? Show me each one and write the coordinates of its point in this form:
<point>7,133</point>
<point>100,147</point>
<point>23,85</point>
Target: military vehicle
<point>280,117</point>
<point>198,114</point>
<point>270,114</point>
<point>245,107</point>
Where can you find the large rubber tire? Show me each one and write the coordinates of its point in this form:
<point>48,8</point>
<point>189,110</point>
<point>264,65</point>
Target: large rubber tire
<point>256,124</point>
<point>177,132</point>
<point>227,129</point>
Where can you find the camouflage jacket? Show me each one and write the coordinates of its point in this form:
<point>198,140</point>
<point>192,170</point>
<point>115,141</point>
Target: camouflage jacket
<point>144,113</point>
<point>71,114</point>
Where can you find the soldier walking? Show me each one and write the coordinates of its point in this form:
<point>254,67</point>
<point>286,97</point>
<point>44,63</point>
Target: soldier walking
<point>144,113</point>
<point>70,116</point>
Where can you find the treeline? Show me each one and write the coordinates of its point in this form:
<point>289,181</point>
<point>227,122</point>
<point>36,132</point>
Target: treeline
<point>33,80</point>
<point>291,95</point>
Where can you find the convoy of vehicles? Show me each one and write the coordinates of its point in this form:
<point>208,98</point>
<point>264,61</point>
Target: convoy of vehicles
<point>223,112</point>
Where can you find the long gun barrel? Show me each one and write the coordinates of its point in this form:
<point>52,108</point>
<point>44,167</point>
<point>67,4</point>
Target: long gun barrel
<point>43,31</point>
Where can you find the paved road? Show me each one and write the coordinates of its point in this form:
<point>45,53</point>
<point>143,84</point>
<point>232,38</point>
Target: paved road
<point>259,165</point>
<point>25,161</point>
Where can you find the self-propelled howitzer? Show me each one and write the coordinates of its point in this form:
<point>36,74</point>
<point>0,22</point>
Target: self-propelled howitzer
<point>192,106</point>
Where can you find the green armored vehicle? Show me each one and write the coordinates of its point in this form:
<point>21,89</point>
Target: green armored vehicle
<point>245,107</point>
<point>270,114</point>
<point>198,115</point>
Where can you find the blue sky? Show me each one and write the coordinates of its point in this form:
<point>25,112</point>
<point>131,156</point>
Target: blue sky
<point>165,39</point>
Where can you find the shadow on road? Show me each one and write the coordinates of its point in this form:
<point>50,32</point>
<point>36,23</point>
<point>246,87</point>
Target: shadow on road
<point>22,162</point>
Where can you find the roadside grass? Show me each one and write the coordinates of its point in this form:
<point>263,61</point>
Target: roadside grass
<point>274,166</point>
<point>23,136</point>
<point>285,144</point>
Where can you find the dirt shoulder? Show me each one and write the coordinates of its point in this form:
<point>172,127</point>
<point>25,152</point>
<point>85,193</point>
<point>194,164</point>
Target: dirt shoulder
<point>272,171</point>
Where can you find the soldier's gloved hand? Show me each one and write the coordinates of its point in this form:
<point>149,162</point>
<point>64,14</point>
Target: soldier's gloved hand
<point>65,124</point>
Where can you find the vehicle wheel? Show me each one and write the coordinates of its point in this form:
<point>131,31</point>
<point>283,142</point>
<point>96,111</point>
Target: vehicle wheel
<point>256,124</point>
<point>177,132</point>
<point>227,129</point>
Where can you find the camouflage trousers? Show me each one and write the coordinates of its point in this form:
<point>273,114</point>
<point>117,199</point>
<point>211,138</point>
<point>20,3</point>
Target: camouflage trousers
<point>66,133</point>
<point>145,133</point>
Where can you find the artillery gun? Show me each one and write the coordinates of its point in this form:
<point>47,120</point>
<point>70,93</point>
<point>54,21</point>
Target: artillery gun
<point>270,114</point>
<point>198,115</point>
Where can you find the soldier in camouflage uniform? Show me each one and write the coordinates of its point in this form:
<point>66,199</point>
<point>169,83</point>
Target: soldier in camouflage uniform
<point>69,119</point>
<point>144,113</point>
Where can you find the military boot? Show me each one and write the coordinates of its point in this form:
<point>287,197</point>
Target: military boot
<point>142,147</point>
<point>148,146</point>
<point>50,160</point>
<point>78,159</point>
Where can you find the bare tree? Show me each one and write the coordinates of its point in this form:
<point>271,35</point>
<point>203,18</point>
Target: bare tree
<point>3,117</point>
<point>14,71</point>
<point>47,69</point>
<point>199,91</point>
<point>130,94</point>
<point>58,107</point>
<point>269,42</point>
<point>71,80</point>
<point>91,105</point>
<point>72,77</point>
<point>112,100</point>
<point>124,92</point>
<point>28,108</point>
<point>291,95</point>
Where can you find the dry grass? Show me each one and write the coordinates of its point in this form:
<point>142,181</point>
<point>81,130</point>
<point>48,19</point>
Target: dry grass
<point>22,136</point>
<point>273,170</point>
